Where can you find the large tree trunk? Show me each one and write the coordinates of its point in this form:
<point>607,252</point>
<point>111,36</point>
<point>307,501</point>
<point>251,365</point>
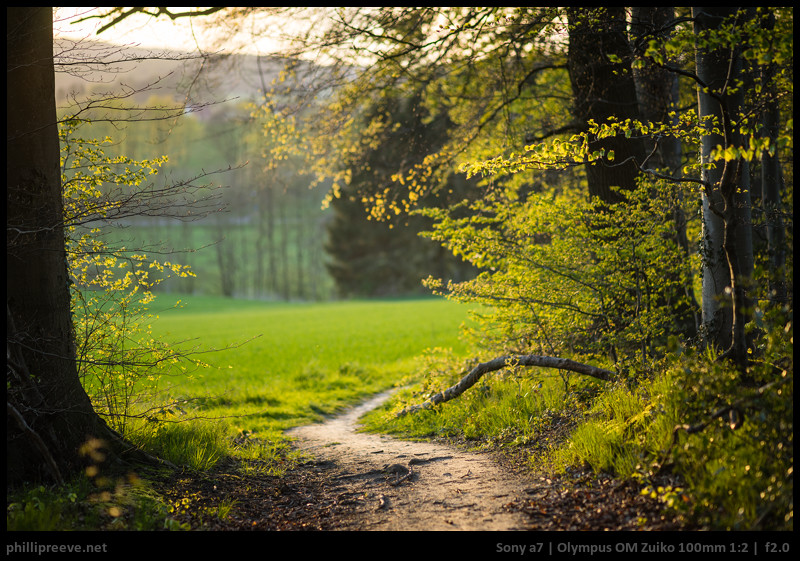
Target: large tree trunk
<point>727,226</point>
<point>49,415</point>
<point>656,86</point>
<point>599,62</point>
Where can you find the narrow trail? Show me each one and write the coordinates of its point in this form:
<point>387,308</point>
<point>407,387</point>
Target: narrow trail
<point>362,481</point>
<point>400,485</point>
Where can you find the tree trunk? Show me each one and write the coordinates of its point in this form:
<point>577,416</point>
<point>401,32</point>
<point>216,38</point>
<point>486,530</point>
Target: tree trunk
<point>656,86</point>
<point>48,411</point>
<point>226,257</point>
<point>772,183</point>
<point>604,88</point>
<point>657,96</point>
<point>727,227</point>
<point>283,222</point>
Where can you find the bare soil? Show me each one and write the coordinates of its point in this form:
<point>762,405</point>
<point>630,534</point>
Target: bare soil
<point>402,485</point>
<point>355,481</point>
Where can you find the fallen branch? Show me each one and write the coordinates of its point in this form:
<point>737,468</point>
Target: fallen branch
<point>501,362</point>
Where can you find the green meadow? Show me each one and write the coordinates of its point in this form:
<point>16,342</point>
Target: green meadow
<point>271,366</point>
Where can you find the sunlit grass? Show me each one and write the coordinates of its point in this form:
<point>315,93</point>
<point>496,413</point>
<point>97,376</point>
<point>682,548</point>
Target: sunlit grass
<point>197,445</point>
<point>509,408</point>
<point>278,365</point>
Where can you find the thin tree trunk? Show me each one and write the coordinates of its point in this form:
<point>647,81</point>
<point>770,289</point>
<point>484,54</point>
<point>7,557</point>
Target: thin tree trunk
<point>727,226</point>
<point>300,241</point>
<point>657,95</point>
<point>268,219</point>
<point>187,283</point>
<point>772,184</point>
<point>226,259</point>
<point>283,219</point>
<point>656,86</point>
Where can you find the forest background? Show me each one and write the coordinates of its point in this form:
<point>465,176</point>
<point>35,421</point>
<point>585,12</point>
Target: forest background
<point>273,234</point>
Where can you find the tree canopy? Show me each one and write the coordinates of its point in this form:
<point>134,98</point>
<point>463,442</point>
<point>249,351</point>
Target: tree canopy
<point>574,104</point>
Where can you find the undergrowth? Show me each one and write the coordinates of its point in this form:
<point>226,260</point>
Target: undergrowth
<point>727,450</point>
<point>123,502</point>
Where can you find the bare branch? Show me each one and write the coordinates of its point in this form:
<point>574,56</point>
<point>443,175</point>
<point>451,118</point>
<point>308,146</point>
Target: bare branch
<point>505,361</point>
<point>121,14</point>
<point>37,442</point>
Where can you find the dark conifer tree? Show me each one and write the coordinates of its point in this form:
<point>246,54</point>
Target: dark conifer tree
<point>387,257</point>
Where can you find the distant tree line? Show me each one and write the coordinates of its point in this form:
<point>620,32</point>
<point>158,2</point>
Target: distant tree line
<point>271,238</point>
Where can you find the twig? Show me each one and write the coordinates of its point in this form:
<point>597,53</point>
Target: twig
<point>406,476</point>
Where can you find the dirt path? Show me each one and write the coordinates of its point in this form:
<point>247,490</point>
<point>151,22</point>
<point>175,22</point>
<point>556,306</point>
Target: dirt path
<point>399,485</point>
<point>360,481</point>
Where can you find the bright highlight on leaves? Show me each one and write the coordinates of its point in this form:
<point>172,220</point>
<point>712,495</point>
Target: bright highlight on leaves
<point>111,286</point>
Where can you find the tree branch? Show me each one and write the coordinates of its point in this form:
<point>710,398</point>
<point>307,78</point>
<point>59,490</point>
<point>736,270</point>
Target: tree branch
<point>37,441</point>
<point>501,362</point>
<point>140,10</point>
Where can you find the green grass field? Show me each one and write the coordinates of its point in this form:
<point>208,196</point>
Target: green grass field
<point>278,365</point>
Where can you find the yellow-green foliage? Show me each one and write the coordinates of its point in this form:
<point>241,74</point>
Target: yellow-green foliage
<point>732,447</point>
<point>624,429</point>
<point>111,286</point>
<point>564,276</point>
<point>740,466</point>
